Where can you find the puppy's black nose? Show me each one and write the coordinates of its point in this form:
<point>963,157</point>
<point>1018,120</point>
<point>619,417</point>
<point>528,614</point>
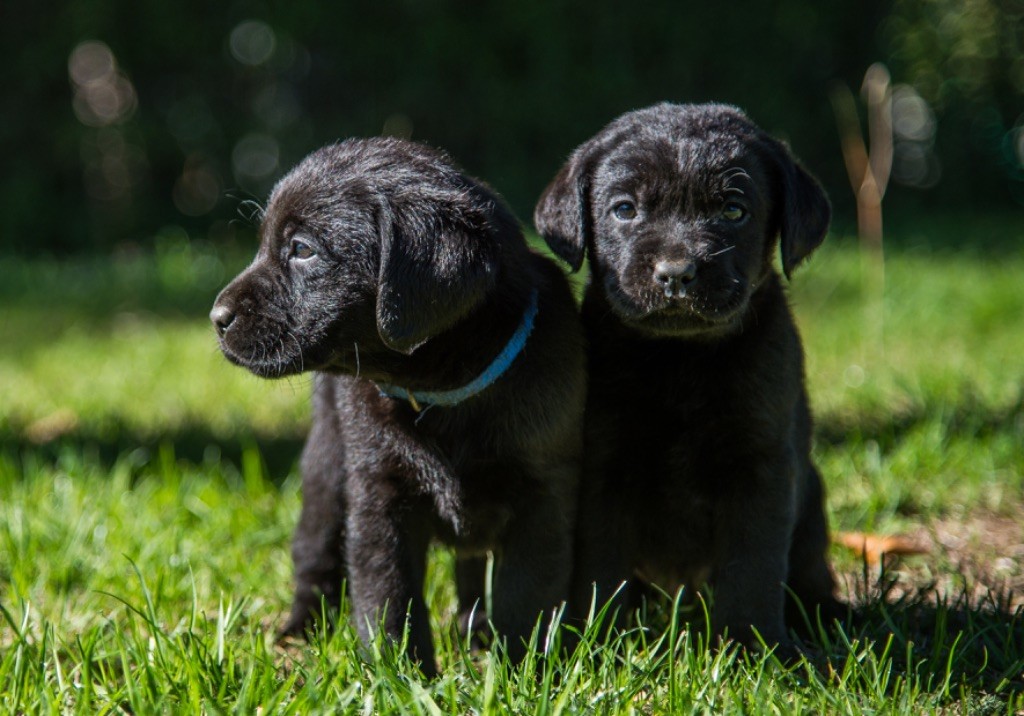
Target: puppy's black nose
<point>675,276</point>
<point>222,316</point>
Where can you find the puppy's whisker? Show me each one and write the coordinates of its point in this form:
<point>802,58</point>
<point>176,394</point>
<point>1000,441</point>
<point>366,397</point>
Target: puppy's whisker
<point>274,355</point>
<point>719,253</point>
<point>264,352</point>
<point>299,383</point>
<point>734,173</point>
<point>730,175</point>
<point>358,367</point>
<point>250,210</point>
<point>302,359</point>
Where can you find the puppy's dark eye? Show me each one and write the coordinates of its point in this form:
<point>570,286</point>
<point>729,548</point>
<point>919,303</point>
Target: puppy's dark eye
<point>301,250</point>
<point>624,211</point>
<point>733,212</point>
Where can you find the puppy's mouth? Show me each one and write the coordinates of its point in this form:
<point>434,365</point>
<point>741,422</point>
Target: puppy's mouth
<point>682,313</point>
<point>270,359</point>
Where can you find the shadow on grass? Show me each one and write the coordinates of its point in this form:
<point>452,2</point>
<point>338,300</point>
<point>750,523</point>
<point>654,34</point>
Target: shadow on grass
<point>892,640</point>
<point>970,634</point>
<point>970,416</point>
<point>194,445</point>
<point>974,637</point>
<point>989,235</point>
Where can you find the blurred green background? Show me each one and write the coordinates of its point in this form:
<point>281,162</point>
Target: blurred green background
<point>123,117</point>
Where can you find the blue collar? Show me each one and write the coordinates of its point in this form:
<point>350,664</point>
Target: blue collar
<point>498,366</point>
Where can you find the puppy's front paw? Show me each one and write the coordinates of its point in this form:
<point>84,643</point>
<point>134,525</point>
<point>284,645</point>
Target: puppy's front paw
<point>752,638</point>
<point>473,624</point>
<point>303,621</point>
<point>296,629</point>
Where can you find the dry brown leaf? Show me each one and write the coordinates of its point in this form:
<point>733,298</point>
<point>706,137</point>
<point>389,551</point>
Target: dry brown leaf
<point>872,547</point>
<point>53,426</point>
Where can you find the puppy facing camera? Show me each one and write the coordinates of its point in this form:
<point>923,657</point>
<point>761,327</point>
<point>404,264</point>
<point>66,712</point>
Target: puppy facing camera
<point>448,395</point>
<point>697,460</point>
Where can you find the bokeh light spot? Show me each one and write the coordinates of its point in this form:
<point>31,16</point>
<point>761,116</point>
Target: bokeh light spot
<point>103,94</point>
<point>198,188</point>
<point>255,156</point>
<point>912,117</point>
<point>90,62</point>
<point>252,42</point>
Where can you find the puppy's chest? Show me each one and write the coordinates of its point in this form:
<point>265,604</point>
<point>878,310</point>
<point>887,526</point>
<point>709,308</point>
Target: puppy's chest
<point>670,424</point>
<point>676,538</point>
<point>490,496</point>
<point>676,513</point>
<point>670,436</point>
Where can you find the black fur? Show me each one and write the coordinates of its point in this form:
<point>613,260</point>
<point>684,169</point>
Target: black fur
<point>697,467</point>
<point>381,262</point>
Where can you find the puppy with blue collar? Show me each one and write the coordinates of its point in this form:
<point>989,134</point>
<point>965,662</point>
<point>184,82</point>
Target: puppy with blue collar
<point>448,395</point>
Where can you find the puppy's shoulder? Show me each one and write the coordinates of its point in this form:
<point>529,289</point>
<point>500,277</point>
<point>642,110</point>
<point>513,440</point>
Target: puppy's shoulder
<point>344,399</point>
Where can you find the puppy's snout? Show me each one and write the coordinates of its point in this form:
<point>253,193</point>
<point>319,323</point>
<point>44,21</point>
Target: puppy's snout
<point>222,317</point>
<point>675,277</point>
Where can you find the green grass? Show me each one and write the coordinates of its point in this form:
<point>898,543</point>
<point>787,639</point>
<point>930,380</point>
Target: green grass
<point>148,492</point>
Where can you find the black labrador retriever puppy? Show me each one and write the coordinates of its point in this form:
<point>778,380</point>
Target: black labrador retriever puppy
<point>697,468</point>
<point>449,386</point>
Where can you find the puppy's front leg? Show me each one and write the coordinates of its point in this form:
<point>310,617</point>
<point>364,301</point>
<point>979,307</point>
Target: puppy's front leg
<point>470,575</point>
<point>318,548</point>
<point>387,549</point>
<point>753,528</point>
<point>601,556</point>
<point>533,570</point>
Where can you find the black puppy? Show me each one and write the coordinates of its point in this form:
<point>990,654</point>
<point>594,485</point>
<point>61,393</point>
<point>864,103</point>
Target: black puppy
<point>697,467</point>
<point>449,391</point>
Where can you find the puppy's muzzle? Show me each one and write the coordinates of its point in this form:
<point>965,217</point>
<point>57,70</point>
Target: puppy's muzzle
<point>675,277</point>
<point>222,317</point>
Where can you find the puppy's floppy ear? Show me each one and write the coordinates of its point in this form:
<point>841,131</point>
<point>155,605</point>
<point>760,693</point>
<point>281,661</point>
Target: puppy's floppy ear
<point>562,215</point>
<point>805,211</point>
<point>435,267</point>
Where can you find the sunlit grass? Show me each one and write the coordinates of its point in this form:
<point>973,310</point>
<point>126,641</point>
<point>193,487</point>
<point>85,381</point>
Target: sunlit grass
<point>951,326</point>
<point>157,587</point>
<point>144,527</point>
